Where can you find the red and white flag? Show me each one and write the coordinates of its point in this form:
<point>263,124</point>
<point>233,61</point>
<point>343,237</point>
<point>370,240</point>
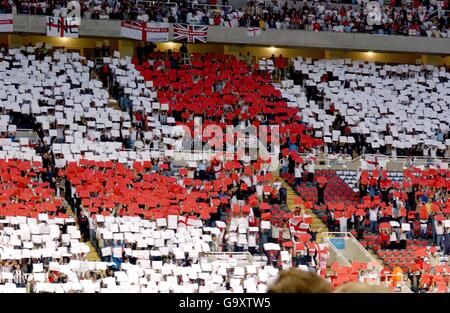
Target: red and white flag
<point>64,27</point>
<point>190,33</point>
<point>6,23</point>
<point>253,31</point>
<point>182,219</point>
<point>154,32</point>
<point>157,32</point>
<point>134,30</point>
<point>251,217</point>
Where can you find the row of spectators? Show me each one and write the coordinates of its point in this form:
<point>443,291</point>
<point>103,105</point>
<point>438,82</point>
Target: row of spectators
<point>413,18</point>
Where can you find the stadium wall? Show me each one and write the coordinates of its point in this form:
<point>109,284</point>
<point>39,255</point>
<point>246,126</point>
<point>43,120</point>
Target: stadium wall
<point>393,49</point>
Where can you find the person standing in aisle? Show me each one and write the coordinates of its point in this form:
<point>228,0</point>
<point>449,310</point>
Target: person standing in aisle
<point>83,222</point>
<point>310,168</point>
<point>321,185</point>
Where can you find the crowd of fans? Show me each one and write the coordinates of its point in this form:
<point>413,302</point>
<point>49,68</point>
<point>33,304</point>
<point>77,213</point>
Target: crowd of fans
<point>413,18</point>
<point>240,197</point>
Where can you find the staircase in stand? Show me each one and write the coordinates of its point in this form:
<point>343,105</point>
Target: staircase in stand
<point>92,255</point>
<point>317,224</point>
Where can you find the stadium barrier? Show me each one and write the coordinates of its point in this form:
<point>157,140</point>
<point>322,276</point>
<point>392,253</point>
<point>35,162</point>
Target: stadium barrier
<point>349,248</point>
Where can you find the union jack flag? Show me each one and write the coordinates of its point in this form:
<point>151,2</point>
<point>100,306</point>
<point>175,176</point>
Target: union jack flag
<point>190,33</point>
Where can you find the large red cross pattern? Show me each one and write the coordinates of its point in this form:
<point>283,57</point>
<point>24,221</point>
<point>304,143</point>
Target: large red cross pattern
<point>62,26</point>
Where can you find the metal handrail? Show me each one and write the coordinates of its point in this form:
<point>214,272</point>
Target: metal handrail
<point>212,6</point>
<point>403,160</point>
<point>139,2</point>
<point>406,282</point>
<point>335,250</point>
<point>337,234</point>
<point>247,255</point>
<point>327,235</point>
<point>438,13</point>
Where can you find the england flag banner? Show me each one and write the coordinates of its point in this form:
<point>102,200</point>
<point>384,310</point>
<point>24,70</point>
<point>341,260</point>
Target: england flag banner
<point>64,27</point>
<point>190,33</point>
<point>157,32</point>
<point>6,23</point>
<point>253,31</point>
<point>153,32</point>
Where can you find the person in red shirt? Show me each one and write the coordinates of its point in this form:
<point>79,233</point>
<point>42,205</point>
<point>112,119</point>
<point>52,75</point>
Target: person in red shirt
<point>295,21</point>
<point>419,262</point>
<point>384,239</point>
<point>53,276</point>
<point>385,273</point>
<point>332,109</point>
<point>138,118</point>
<point>280,62</point>
<point>217,20</point>
<point>316,26</point>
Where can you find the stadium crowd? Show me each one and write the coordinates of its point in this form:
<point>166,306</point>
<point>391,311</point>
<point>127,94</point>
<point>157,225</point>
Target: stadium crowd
<point>130,202</point>
<point>413,18</point>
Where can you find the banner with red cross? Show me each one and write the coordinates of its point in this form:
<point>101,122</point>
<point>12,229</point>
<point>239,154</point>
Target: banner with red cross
<point>64,27</point>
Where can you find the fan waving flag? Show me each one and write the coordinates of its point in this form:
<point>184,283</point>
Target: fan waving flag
<point>64,27</point>
<point>6,23</point>
<point>253,31</point>
<point>154,32</point>
<point>190,33</point>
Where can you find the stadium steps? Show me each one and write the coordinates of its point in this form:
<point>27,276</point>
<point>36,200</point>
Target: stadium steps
<point>113,103</point>
<point>92,255</point>
<point>376,256</point>
<point>69,210</point>
<point>317,224</point>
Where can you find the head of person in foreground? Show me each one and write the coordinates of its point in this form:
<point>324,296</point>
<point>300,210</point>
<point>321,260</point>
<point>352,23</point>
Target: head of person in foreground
<point>357,287</point>
<point>295,281</point>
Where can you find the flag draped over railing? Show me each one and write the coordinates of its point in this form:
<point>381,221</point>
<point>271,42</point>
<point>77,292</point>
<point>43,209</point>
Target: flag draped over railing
<point>153,32</point>
<point>190,33</point>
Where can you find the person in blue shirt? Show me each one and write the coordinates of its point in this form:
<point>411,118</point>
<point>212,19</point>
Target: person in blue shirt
<point>293,147</point>
<point>202,170</point>
<point>117,261</point>
<point>439,136</point>
<point>372,191</point>
<point>423,198</point>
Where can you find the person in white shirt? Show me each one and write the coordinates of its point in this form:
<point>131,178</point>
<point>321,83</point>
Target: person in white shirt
<point>43,6</point>
<point>155,142</point>
<point>311,168</point>
<point>439,227</point>
<point>321,8</point>
<point>191,173</point>
<point>63,12</point>
<point>251,239</point>
<point>393,240</point>
<point>425,150</point>
<point>143,18</point>
<point>403,239</point>
<point>284,163</point>
<point>423,229</point>
<point>342,224</point>
<point>433,151</point>
<point>373,218</point>
<point>298,173</point>
<point>56,12</point>
<point>92,225</point>
<point>259,191</point>
<point>189,17</point>
<point>217,169</point>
